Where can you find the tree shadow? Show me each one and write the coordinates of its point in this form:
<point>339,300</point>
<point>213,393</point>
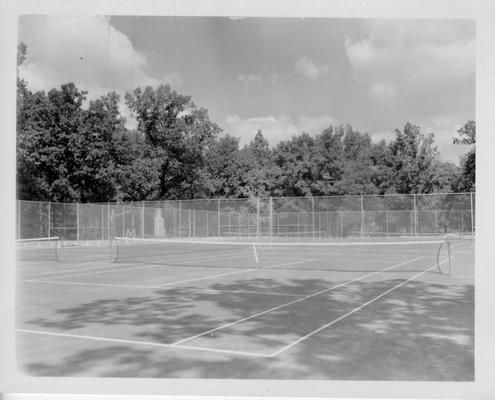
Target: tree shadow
<point>421,331</point>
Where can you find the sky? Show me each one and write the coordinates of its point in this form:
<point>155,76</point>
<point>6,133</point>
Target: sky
<point>284,76</point>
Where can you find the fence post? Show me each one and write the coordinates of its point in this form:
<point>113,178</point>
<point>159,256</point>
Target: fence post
<point>436,221</point>
<point>102,223</point>
<point>18,219</point>
<point>77,222</point>
<point>207,212</point>
<point>108,220</point>
<point>142,221</point>
<point>313,214</point>
<point>180,218</point>
<point>239,228</point>
<point>386,218</point>
<point>218,216</point>
<point>194,223</point>
<point>189,222</point>
<point>298,225</point>
<point>415,215</point>
<point>362,216</point>
<point>49,219</point>
<point>123,221</point>
<point>270,204</point>
<point>257,217</point>
<point>472,214</point>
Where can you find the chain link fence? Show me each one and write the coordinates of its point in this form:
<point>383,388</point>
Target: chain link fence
<point>284,217</point>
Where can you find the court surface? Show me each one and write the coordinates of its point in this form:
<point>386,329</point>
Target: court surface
<point>213,312</point>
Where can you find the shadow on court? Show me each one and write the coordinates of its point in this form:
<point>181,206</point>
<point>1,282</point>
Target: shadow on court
<point>420,331</point>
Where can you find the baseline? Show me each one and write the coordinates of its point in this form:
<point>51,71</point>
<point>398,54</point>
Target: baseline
<point>143,343</point>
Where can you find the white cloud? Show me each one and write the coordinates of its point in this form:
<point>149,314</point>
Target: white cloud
<point>86,50</point>
<point>275,128</point>
<point>429,65</point>
<point>309,69</point>
<point>249,80</point>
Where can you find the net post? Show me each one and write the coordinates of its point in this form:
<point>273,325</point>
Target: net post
<point>102,223</point>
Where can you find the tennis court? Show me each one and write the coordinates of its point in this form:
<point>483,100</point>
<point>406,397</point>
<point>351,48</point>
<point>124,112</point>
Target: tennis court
<point>373,309</point>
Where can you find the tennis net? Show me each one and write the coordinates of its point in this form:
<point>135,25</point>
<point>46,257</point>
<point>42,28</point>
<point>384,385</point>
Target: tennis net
<point>39,249</point>
<point>371,255</point>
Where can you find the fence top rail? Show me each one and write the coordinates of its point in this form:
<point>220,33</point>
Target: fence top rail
<point>220,199</point>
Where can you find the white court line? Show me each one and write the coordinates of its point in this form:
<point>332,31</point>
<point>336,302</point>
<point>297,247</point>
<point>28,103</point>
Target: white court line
<point>206,277</point>
<point>68,273</point>
<point>65,271</point>
<point>143,343</point>
<point>141,286</point>
<point>227,273</point>
<point>352,311</point>
<point>267,293</point>
<point>294,301</point>
<point>155,286</point>
<point>97,270</point>
<point>92,284</point>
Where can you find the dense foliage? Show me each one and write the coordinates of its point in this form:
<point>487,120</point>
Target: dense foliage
<point>69,149</point>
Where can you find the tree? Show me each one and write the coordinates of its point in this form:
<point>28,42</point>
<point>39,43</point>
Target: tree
<point>223,168</point>
<point>181,133</point>
<point>328,160</point>
<point>358,166</point>
<point>259,175</point>
<point>47,135</point>
<point>296,161</point>
<point>64,152</point>
<point>467,136</point>
<point>95,151</point>
<point>413,158</point>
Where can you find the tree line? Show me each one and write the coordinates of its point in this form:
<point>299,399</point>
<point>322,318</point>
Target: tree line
<point>72,150</point>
